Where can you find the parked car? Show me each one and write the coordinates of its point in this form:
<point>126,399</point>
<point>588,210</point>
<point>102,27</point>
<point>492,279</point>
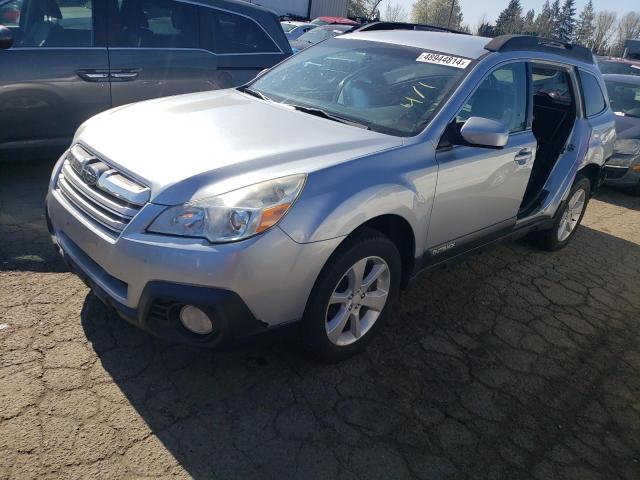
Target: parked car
<point>65,60</point>
<point>334,21</point>
<point>318,35</point>
<point>621,66</point>
<point>309,196</point>
<point>294,29</point>
<point>623,169</point>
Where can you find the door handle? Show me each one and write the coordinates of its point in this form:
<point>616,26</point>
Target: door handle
<point>93,75</point>
<point>523,156</point>
<point>123,75</point>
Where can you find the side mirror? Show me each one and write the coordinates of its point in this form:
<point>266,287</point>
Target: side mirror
<point>6,38</point>
<point>485,132</point>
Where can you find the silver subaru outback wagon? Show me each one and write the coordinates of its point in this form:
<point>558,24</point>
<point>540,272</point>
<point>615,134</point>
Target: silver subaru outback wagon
<point>311,195</point>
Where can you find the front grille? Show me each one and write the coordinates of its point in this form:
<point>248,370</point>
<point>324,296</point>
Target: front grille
<point>99,192</point>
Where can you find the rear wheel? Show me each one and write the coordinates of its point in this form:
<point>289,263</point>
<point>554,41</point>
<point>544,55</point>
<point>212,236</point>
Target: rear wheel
<point>568,218</point>
<point>352,296</point>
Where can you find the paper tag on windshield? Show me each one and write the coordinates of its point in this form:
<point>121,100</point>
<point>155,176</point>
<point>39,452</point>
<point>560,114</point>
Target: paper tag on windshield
<point>447,60</point>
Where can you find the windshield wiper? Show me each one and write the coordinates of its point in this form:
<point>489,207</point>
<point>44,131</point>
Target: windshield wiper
<point>318,112</point>
<point>255,93</point>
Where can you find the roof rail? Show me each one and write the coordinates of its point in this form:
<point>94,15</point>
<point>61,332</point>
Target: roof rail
<point>369,27</point>
<point>510,43</point>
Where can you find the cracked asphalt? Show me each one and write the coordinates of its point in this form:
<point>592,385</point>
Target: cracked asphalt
<point>516,364</point>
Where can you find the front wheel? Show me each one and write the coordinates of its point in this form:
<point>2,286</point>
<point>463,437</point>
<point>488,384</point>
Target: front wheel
<point>568,217</point>
<point>352,296</point>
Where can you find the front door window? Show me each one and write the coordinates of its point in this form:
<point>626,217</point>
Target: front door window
<point>49,23</point>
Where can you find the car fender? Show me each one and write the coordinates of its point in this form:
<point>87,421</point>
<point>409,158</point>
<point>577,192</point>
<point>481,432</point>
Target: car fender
<point>337,201</point>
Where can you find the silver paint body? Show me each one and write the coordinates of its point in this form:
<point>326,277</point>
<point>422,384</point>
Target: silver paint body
<point>193,146</point>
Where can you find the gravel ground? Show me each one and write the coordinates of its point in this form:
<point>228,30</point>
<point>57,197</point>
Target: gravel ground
<point>516,364</point>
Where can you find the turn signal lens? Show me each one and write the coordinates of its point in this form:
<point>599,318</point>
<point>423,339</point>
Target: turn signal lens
<point>271,216</point>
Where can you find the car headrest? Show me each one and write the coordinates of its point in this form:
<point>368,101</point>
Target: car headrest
<point>50,8</point>
<point>133,15</point>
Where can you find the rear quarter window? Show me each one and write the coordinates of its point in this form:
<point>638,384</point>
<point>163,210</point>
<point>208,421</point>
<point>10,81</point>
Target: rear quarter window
<point>594,101</point>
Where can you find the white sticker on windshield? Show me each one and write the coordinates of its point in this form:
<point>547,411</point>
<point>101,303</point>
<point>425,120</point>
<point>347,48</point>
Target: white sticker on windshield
<point>439,59</point>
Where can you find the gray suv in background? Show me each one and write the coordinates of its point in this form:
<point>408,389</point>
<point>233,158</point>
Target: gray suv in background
<point>63,61</point>
<point>312,194</point>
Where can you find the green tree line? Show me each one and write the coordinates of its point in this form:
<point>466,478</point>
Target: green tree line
<point>604,32</point>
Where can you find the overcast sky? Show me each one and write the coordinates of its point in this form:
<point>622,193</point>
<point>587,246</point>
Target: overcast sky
<point>473,9</point>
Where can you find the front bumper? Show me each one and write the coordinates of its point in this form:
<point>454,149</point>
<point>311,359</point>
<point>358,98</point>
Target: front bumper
<point>250,286</point>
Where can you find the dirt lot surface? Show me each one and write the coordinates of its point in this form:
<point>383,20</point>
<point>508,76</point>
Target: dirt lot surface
<point>516,364</point>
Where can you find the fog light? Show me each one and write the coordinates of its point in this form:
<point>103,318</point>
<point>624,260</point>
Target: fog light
<point>195,320</point>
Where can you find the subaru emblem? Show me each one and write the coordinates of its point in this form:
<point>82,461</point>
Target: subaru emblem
<point>90,174</point>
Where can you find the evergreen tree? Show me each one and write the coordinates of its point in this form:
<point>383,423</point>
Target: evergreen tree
<point>567,22</point>
<point>585,26</point>
<point>528,25</point>
<point>510,19</point>
<point>543,23</point>
<point>554,22</point>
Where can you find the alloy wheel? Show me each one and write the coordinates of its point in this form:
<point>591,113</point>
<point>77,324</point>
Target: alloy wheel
<point>571,215</point>
<point>357,300</point>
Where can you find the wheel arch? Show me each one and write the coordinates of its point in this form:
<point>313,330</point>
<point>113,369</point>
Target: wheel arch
<point>593,172</point>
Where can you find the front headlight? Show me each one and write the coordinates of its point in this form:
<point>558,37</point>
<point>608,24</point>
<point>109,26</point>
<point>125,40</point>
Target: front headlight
<point>234,215</point>
<point>627,146</point>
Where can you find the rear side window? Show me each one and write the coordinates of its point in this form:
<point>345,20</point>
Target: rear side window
<point>157,24</point>
<point>594,101</point>
<point>237,34</point>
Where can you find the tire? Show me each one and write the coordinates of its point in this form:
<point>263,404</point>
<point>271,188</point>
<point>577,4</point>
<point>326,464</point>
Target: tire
<point>325,334</point>
<point>554,238</point>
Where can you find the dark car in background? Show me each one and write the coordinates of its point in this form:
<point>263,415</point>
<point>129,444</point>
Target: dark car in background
<point>623,169</point>
<point>67,60</point>
<point>622,66</point>
<point>317,35</point>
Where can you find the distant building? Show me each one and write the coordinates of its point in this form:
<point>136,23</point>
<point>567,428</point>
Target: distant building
<point>306,8</point>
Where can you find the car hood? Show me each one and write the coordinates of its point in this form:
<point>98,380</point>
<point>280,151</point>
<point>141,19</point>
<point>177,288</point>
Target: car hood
<point>197,145</point>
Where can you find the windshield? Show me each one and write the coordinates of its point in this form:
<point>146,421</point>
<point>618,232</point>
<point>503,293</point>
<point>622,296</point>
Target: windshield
<point>287,27</point>
<point>619,67</point>
<point>624,98</point>
<point>391,89</point>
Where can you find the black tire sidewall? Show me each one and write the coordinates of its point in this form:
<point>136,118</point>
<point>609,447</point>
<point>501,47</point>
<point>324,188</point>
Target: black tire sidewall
<point>313,330</point>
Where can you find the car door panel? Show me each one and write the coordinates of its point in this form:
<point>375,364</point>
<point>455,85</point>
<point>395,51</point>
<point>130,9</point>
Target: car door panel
<point>142,74</point>
<point>479,188</point>
<point>54,79</point>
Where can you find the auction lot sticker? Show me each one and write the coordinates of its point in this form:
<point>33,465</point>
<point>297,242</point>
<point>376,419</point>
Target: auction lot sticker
<point>439,59</point>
